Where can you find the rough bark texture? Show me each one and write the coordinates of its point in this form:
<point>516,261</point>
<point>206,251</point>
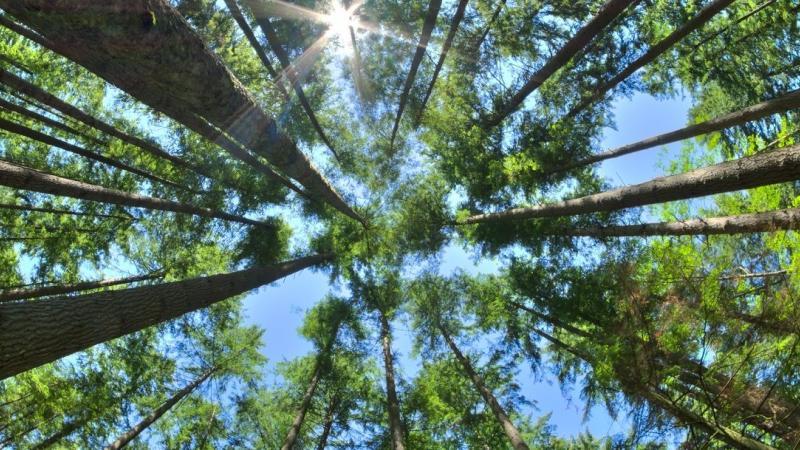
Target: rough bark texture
<point>497,409</point>
<point>21,177</point>
<point>608,12</point>
<point>294,430</point>
<point>26,293</point>
<point>448,42</point>
<point>760,170</point>
<point>150,419</point>
<point>427,29</point>
<point>40,331</point>
<point>754,112</point>
<point>147,49</point>
<point>705,14</point>
<point>80,151</point>
<point>784,219</point>
<point>393,405</point>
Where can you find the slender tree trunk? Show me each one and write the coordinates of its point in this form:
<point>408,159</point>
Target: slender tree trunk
<point>777,326</point>
<point>393,405</point>
<point>448,41</point>
<point>758,111</point>
<point>781,220</point>
<point>20,177</point>
<point>500,5</point>
<point>49,140</point>
<point>294,430</point>
<point>608,12</point>
<point>497,409</point>
<point>62,211</point>
<point>555,321</point>
<point>29,293</point>
<point>760,170</point>
<point>702,17</point>
<point>739,20</point>
<point>44,119</point>
<point>66,430</point>
<point>162,62</point>
<point>137,429</point>
<point>427,29</point>
<point>327,426</point>
<point>41,331</point>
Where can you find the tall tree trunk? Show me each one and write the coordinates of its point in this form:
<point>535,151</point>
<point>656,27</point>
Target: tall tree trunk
<point>448,41</point>
<point>393,405</point>
<point>738,20</point>
<point>49,140</point>
<point>702,17</point>
<point>41,331</point>
<point>327,426</point>
<point>497,409</point>
<point>608,12</point>
<point>162,62</point>
<point>257,7</point>
<point>29,293</point>
<point>150,419</point>
<point>13,107</point>
<point>20,177</point>
<point>555,321</point>
<point>62,211</point>
<point>427,29</point>
<point>758,111</point>
<point>784,219</point>
<point>66,430</point>
<point>294,430</point>
<point>759,170</point>
<point>500,5</point>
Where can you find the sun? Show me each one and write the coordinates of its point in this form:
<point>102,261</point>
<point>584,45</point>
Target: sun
<point>340,20</point>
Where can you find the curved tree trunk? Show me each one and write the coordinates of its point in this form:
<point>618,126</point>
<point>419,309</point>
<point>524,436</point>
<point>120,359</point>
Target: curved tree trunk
<point>150,419</point>
<point>760,170</point>
<point>20,177</point>
<point>427,29</point>
<point>393,405</point>
<point>448,41</point>
<point>705,14</point>
<point>608,12</point>
<point>294,430</point>
<point>159,60</point>
<point>19,294</point>
<point>509,429</point>
<point>784,219</point>
<point>41,331</point>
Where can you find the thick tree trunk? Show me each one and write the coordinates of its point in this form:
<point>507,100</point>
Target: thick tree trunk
<point>448,41</point>
<point>758,111</point>
<point>55,142</point>
<point>427,29</point>
<point>147,49</point>
<point>327,426</point>
<point>393,405</point>
<point>150,419</point>
<point>608,12</point>
<point>20,294</point>
<point>20,177</point>
<point>497,409</point>
<point>784,219</point>
<point>40,331</point>
<point>705,14</point>
<point>294,430</point>
<point>760,170</point>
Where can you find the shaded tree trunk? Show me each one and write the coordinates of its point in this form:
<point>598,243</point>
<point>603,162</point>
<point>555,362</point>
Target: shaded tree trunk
<point>393,405</point>
<point>555,321</point>
<point>500,5</point>
<point>427,29</point>
<point>19,294</point>
<point>65,431</point>
<point>150,419</point>
<point>327,426</point>
<point>759,170</point>
<point>20,177</point>
<point>62,211</point>
<point>497,409</point>
<point>608,12</point>
<point>37,332</point>
<point>448,41</point>
<point>44,119</point>
<point>294,430</point>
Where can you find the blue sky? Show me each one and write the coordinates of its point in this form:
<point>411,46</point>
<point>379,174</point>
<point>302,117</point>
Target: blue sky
<point>279,308</point>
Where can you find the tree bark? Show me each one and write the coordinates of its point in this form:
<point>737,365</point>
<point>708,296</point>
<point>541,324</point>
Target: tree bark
<point>137,429</point>
<point>327,426</point>
<point>61,211</point>
<point>760,170</point>
<point>29,293</point>
<point>44,119</point>
<point>41,331</point>
<point>608,12</point>
<point>20,177</point>
<point>393,405</point>
<point>448,42</point>
<point>497,409</point>
<point>784,219</point>
<point>758,111</point>
<point>427,29</point>
<point>705,14</point>
<point>294,430</point>
<point>147,49</point>
<point>65,431</point>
